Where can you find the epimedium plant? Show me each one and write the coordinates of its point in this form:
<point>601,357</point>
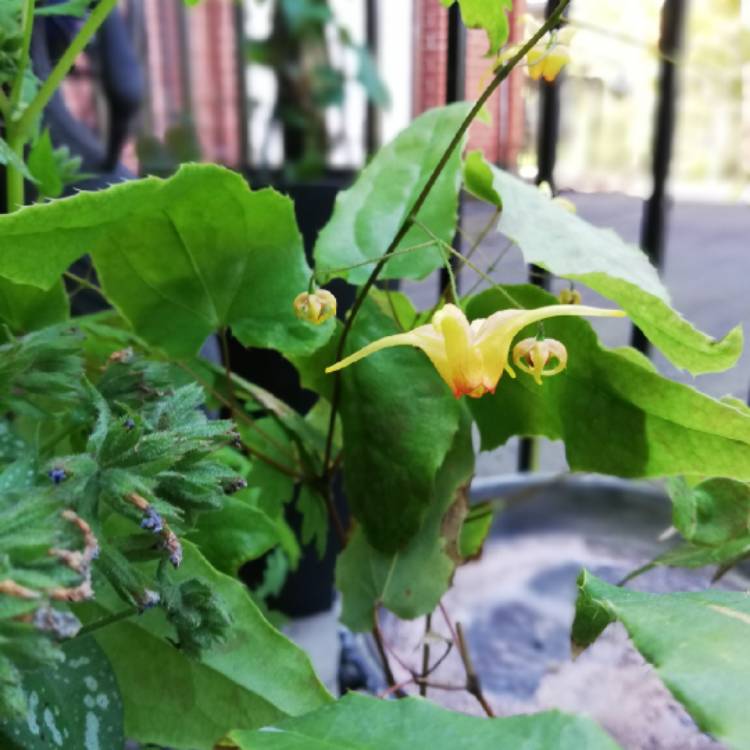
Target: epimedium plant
<point>126,511</point>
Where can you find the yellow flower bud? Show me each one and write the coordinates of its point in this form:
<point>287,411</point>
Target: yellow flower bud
<point>547,62</point>
<point>315,307</point>
<point>532,356</point>
<point>569,297</point>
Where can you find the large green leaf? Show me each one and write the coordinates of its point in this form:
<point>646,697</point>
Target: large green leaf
<point>489,15</point>
<point>697,643</point>
<point>411,581</point>
<point>234,534</point>
<point>399,421</point>
<point>255,677</point>
<point>76,705</point>
<point>570,247</point>
<point>357,722</point>
<point>368,215</point>
<point>25,308</point>
<point>179,258</point>
<point>616,414</point>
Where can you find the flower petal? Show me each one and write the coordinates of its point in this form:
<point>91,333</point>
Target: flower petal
<point>423,337</point>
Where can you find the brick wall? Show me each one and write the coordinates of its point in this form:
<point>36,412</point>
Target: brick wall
<point>501,139</point>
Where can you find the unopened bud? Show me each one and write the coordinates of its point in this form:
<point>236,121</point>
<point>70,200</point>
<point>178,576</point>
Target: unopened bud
<point>569,297</point>
<point>315,307</point>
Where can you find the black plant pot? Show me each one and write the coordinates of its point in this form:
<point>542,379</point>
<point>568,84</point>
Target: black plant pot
<point>309,589</point>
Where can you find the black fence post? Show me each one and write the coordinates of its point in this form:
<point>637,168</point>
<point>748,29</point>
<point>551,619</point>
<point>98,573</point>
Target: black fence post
<point>673,15</point>
<point>455,91</point>
<point>546,150</point>
<point>372,117</point>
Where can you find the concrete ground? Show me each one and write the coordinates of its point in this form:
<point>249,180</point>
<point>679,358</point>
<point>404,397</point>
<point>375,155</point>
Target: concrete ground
<point>706,269</point>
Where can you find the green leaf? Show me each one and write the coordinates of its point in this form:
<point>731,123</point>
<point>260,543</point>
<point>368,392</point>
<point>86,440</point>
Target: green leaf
<point>369,77</point>
<point>26,308</point>
<point>179,258</point>
<point>256,676</point>
<point>367,216</point>
<point>77,704</point>
<point>75,8</point>
<point>314,513</point>
<point>489,15</point>
<point>714,519</point>
<point>569,247</point>
<point>615,415</point>
<point>10,158</point>
<point>234,534</point>
<point>399,421</point>
<point>411,581</point>
<point>697,643</point>
<point>475,529</point>
<point>479,179</point>
<point>713,511</point>
<point>358,722</point>
<point>42,162</point>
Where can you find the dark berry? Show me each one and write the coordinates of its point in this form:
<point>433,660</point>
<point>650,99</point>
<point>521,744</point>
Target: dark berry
<point>234,485</point>
<point>57,474</point>
<point>129,424</point>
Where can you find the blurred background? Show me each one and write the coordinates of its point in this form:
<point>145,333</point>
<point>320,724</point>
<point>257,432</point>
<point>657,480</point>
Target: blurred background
<point>647,130</point>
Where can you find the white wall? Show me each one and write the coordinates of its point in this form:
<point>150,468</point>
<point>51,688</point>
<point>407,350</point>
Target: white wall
<point>395,29</point>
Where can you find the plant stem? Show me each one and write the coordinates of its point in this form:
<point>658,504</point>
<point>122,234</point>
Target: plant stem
<point>452,250</point>
<point>425,655</point>
<point>14,186</point>
<point>85,283</point>
<point>500,76</point>
<point>378,637</point>
<point>233,405</point>
<point>107,620</point>
<point>27,27</point>
<point>64,64</point>
<point>473,685</point>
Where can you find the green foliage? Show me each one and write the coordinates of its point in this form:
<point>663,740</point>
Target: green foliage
<point>696,642</point>
<point>363,723</point>
<point>567,246</point>
<point>615,414</point>
<point>11,39</point>
<point>367,216</point>
<point>53,169</point>
<point>490,15</point>
<point>25,308</point>
<point>253,678</point>
<point>179,258</point>
<point>235,533</point>
<point>76,704</point>
<point>31,524</point>
<point>479,179</point>
<point>411,581</point>
<point>399,422</point>
<point>714,520</point>
<point>76,8</point>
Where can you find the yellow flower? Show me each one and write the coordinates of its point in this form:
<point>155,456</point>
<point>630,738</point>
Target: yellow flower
<point>547,62</point>
<point>532,355</point>
<point>315,307</point>
<point>470,357</point>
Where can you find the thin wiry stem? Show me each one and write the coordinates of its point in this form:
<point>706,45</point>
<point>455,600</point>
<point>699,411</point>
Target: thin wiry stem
<point>499,77</point>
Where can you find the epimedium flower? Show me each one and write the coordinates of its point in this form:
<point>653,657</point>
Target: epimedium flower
<point>547,62</point>
<point>315,307</point>
<point>532,356</point>
<point>471,357</point>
